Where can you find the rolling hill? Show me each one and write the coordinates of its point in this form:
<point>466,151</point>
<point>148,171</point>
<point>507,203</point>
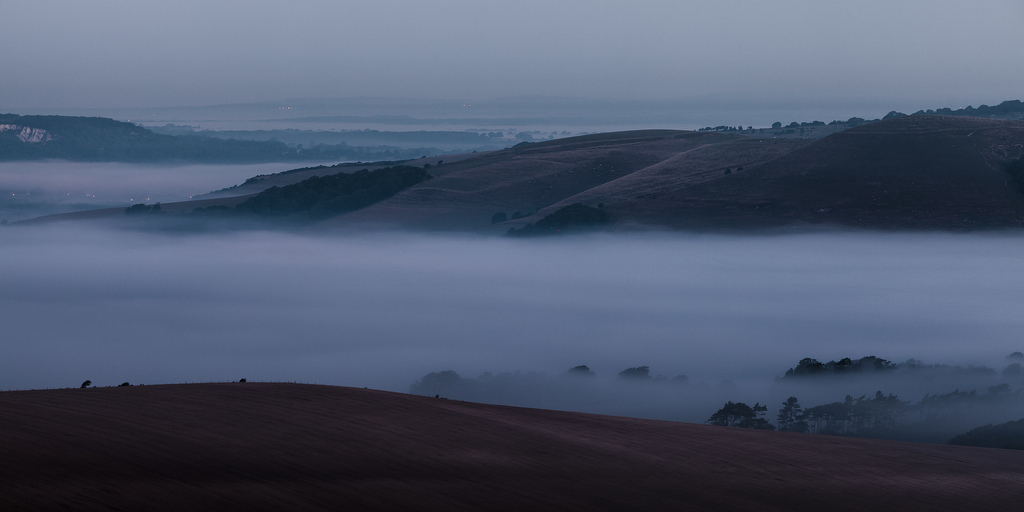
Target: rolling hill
<point>917,172</point>
<point>266,446</point>
<point>912,172</point>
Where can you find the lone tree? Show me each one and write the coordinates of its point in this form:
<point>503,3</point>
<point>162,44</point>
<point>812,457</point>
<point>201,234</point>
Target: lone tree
<point>790,415</point>
<point>86,384</point>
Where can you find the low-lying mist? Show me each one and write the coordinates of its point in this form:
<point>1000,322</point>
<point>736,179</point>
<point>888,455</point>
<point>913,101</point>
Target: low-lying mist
<point>384,310</point>
<point>33,189</point>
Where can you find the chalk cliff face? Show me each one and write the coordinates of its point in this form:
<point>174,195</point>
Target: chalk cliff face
<point>27,133</point>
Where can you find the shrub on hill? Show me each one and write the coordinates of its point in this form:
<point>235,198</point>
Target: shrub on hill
<point>575,217</point>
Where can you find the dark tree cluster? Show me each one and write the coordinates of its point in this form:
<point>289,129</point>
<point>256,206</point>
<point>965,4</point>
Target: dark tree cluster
<point>573,218</point>
<point>580,371</point>
<point>741,415</point>
<point>1008,435</point>
<point>143,209</point>
<point>448,382</point>
<point>723,128</point>
<point>1004,109</point>
<point>1016,171</point>
<point>879,416</point>
<point>855,416</point>
<point>1007,109</point>
<point>637,373</point>
<point>809,366</point>
<point>853,121</point>
<point>320,197</point>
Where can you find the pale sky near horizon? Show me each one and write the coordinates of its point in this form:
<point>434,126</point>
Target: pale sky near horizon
<point>129,53</point>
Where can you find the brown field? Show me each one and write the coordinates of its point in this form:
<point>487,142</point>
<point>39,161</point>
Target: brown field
<point>262,446</point>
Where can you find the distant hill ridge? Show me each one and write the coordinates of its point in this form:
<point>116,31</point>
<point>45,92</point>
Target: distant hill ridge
<point>33,137</point>
<point>98,139</point>
<point>918,172</point>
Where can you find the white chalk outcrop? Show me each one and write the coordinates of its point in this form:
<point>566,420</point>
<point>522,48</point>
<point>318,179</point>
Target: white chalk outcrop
<point>27,134</point>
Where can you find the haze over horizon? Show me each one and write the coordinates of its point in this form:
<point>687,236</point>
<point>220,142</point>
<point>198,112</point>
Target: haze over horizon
<point>874,55</point>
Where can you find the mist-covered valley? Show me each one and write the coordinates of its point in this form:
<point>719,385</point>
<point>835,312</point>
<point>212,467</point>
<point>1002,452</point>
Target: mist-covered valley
<point>32,189</point>
<point>386,310</point>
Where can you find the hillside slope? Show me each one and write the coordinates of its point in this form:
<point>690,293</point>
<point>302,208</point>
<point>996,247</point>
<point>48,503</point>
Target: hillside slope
<point>250,446</point>
<point>537,179</point>
<point>913,172</point>
<point>905,173</point>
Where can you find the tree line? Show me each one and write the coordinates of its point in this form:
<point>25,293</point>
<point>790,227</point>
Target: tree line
<point>883,416</point>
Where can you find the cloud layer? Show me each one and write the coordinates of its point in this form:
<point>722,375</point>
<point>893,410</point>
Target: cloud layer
<point>383,310</point>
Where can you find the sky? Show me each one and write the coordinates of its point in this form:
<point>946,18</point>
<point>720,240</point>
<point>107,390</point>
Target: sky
<point>113,54</point>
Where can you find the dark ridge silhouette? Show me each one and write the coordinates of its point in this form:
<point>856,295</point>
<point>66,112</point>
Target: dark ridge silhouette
<point>263,446</point>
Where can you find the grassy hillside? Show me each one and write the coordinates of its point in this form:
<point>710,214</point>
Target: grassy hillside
<point>255,446</point>
<point>912,172</point>
<point>905,172</point>
<point>538,179</point>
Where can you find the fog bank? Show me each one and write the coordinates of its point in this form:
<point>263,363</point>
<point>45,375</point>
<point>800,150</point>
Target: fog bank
<point>383,310</point>
<point>33,189</point>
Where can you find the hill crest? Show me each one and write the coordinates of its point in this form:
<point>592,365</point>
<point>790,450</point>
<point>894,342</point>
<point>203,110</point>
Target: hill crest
<point>271,446</point>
